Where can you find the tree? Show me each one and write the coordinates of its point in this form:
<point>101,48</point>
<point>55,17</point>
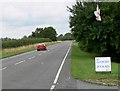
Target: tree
<point>37,33</point>
<point>47,32</point>
<point>60,37</point>
<point>68,36</point>
<point>24,36</point>
<point>93,36</point>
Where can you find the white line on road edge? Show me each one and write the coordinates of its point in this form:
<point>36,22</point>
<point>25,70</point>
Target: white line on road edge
<point>33,57</point>
<point>58,73</point>
<point>52,87</point>
<point>19,62</point>
<point>3,68</point>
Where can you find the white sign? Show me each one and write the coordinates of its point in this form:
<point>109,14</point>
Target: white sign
<point>102,64</point>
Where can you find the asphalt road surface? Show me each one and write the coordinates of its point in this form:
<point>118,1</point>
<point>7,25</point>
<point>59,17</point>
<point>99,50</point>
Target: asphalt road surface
<point>43,70</point>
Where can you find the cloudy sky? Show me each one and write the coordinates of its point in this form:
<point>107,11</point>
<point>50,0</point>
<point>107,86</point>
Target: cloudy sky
<point>21,17</point>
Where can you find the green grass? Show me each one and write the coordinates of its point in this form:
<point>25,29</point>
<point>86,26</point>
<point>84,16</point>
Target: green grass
<point>83,67</point>
<point>15,51</point>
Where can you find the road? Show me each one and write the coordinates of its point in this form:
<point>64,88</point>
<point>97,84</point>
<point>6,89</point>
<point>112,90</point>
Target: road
<point>35,69</point>
<point>42,70</point>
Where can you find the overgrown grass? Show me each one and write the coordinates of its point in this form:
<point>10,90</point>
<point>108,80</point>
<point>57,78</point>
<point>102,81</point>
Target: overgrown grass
<point>14,51</point>
<point>83,67</point>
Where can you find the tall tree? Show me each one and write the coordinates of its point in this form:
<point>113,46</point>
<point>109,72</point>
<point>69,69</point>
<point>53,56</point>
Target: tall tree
<point>50,32</point>
<point>60,37</point>
<point>88,32</point>
<point>47,32</point>
<point>68,36</point>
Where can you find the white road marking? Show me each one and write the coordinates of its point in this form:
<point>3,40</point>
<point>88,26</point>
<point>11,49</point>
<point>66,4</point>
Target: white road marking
<point>52,87</point>
<point>58,73</point>
<point>29,58</point>
<point>44,52</point>
<point>20,62</point>
<point>42,63</point>
<point>39,54</point>
<point>69,78</point>
<point>3,68</point>
<point>33,57</point>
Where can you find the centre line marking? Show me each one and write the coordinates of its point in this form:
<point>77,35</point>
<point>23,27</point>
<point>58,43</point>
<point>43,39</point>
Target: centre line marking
<point>33,57</point>
<point>42,63</point>
<point>30,58</point>
<point>19,62</point>
<point>44,52</point>
<point>3,68</point>
<point>58,73</point>
<point>39,54</point>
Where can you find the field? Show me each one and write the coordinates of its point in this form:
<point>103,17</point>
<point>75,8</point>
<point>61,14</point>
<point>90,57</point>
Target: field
<point>83,68</point>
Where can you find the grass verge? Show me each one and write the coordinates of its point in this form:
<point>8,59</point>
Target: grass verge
<point>83,68</point>
<point>14,51</point>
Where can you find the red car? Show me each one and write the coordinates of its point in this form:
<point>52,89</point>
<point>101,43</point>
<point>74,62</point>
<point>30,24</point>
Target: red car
<point>41,46</point>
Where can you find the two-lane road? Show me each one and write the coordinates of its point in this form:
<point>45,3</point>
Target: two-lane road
<point>35,69</point>
<point>49,69</point>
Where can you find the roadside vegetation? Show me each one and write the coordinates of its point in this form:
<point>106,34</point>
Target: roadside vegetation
<point>48,35</point>
<point>14,43</point>
<point>83,68</point>
<point>13,46</point>
<point>99,37</point>
<point>67,36</point>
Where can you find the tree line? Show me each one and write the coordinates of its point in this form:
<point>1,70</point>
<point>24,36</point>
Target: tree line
<point>67,36</point>
<point>100,37</point>
<point>50,32</point>
<point>47,32</point>
<point>13,43</point>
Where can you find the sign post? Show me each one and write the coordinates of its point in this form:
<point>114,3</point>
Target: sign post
<point>103,64</point>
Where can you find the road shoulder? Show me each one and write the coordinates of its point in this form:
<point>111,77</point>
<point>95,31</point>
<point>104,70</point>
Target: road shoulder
<point>66,81</point>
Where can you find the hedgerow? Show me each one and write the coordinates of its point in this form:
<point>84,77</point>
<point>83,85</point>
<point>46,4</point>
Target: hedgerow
<point>22,42</point>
